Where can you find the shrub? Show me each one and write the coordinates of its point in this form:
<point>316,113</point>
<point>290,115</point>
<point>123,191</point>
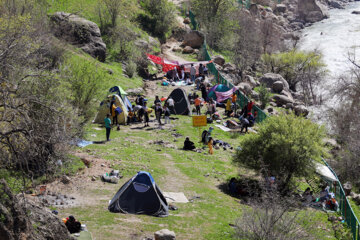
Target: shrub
<point>264,95</point>
<point>284,147</point>
<point>130,69</point>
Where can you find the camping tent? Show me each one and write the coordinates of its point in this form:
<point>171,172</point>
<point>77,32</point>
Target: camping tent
<point>182,104</point>
<point>221,92</point>
<point>140,195</point>
<point>105,109</point>
<point>123,95</point>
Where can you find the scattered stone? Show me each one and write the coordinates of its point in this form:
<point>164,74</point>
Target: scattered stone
<point>332,218</point>
<point>335,4</point>
<point>206,175</point>
<point>93,178</point>
<point>177,49</point>
<point>282,100</point>
<point>86,161</point>
<point>311,11</point>
<point>347,188</point>
<point>280,8</point>
<point>134,91</point>
<point>164,234</point>
<point>355,12</point>
<point>159,150</point>
<point>103,165</point>
<point>301,110</point>
<point>194,39</point>
<point>65,179</point>
<point>270,109</point>
<point>186,20</point>
<point>79,32</point>
<point>218,59</point>
<point>188,50</point>
<point>270,78</point>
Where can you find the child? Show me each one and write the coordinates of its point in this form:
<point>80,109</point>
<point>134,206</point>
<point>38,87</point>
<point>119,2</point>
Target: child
<point>210,145</point>
<point>107,126</point>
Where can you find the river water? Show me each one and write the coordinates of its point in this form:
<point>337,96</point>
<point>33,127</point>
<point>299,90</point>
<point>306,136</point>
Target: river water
<point>334,37</point>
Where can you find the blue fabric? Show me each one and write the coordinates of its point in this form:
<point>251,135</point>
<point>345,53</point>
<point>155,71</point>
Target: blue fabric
<point>118,110</point>
<point>144,178</point>
<point>128,103</point>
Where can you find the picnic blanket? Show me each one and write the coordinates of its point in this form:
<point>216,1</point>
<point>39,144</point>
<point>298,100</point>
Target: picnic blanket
<point>177,197</point>
<point>226,129</point>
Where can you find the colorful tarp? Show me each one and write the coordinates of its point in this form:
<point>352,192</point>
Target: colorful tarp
<point>168,65</point>
<point>222,96</point>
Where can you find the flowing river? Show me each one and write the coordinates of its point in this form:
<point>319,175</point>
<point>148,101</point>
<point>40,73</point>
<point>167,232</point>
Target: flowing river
<point>334,37</point>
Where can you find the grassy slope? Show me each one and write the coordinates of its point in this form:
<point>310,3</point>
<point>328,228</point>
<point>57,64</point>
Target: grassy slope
<point>205,218</point>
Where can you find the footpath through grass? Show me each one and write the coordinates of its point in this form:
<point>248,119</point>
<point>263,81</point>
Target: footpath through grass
<point>196,174</point>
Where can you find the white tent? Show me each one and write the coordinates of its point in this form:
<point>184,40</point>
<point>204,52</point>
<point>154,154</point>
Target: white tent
<point>325,172</point>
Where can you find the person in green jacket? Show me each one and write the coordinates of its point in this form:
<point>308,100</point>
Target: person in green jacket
<point>107,126</point>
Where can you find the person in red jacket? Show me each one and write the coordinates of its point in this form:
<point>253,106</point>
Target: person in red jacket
<point>249,106</point>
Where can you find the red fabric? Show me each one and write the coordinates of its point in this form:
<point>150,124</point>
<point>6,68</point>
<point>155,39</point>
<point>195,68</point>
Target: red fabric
<point>250,105</point>
<point>168,67</point>
<point>155,59</point>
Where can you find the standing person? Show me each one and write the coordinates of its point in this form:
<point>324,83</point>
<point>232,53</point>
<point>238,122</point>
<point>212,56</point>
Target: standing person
<point>228,107</point>
<point>192,73</point>
<point>203,91</point>
<point>146,115</point>
<point>197,103</point>
<point>167,114</point>
<point>182,73</point>
<point>107,126</point>
<point>209,107</point>
<point>157,100</point>
<point>114,114</point>
<point>158,112</point>
<point>171,104</point>
<point>201,70</point>
<point>175,75</point>
<point>233,100</point>
<point>210,145</point>
<point>249,106</point>
<point>141,100</point>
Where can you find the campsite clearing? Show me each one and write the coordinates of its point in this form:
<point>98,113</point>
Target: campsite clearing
<point>199,175</point>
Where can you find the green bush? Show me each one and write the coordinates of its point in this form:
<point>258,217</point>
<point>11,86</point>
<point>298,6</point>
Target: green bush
<point>284,147</point>
<point>264,95</point>
<point>130,69</point>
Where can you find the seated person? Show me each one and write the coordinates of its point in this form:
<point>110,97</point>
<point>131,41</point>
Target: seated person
<point>72,225</point>
<point>332,204</point>
<point>131,117</point>
<point>324,194</point>
<point>188,145</point>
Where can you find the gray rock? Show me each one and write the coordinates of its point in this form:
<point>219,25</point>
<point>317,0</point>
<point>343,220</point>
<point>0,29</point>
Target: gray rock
<point>311,11</point>
<point>245,87</point>
<point>280,8</point>
<point>273,104</point>
<point>194,39</point>
<point>347,188</point>
<point>296,26</point>
<point>289,106</point>
<point>141,43</point>
<point>255,95</point>
<point>164,234</point>
<point>229,68</point>
<point>65,179</point>
<point>186,20</point>
<point>79,32</point>
<point>177,49</point>
<point>218,59</point>
<point>188,50</point>
<point>278,86</point>
<point>335,4</point>
<point>282,100</point>
<point>270,109</point>
<point>250,80</point>
<point>269,78</point>
<point>301,110</point>
<point>134,91</point>
<point>356,12</point>
<point>356,199</point>
<point>287,94</point>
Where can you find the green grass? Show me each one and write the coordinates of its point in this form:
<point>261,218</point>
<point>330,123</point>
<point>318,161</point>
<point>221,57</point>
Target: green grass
<point>196,174</point>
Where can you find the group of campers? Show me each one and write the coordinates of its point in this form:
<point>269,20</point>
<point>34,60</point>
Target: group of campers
<point>191,77</point>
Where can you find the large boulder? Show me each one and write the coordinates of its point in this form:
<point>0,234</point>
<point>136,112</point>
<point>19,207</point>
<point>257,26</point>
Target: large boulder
<point>164,234</point>
<point>270,78</point>
<point>280,8</point>
<point>22,218</point>
<point>229,68</point>
<point>218,59</point>
<point>355,12</point>
<point>278,86</point>
<point>245,87</point>
<point>347,188</point>
<point>188,50</point>
<point>301,110</point>
<point>249,79</point>
<point>79,32</point>
<point>336,4</point>
<point>282,100</point>
<point>311,11</point>
<point>194,39</point>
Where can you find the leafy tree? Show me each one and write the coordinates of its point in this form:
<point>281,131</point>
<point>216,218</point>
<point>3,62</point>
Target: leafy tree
<point>217,20</point>
<point>284,147</point>
<point>159,18</point>
<point>298,68</point>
